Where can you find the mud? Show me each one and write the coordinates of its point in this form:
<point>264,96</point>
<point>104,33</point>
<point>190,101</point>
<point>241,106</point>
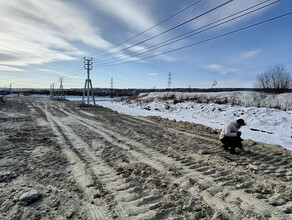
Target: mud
<point>80,162</point>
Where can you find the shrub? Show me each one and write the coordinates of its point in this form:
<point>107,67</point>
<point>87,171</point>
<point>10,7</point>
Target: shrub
<point>275,80</point>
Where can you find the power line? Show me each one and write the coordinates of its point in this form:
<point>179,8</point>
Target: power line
<point>50,12</point>
<point>26,14</point>
<point>38,5</point>
<point>24,52</point>
<point>129,75</point>
<point>42,43</point>
<point>26,36</point>
<point>209,39</point>
<point>32,40</point>
<point>23,35</point>
<point>179,12</point>
<point>177,26</point>
<point>181,37</point>
<point>77,69</point>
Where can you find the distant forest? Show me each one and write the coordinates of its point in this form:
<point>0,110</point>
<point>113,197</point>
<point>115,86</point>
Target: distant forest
<point>117,92</point>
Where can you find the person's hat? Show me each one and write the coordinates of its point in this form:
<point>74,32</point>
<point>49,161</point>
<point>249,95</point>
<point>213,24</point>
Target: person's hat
<point>240,122</point>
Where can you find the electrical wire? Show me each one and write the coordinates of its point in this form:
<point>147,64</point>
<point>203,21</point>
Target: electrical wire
<point>175,27</point>
<point>26,36</point>
<point>181,37</point>
<point>209,39</point>
<point>78,69</point>
<point>161,22</point>
<point>33,3</point>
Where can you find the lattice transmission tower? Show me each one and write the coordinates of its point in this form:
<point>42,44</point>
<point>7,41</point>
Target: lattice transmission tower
<point>61,93</point>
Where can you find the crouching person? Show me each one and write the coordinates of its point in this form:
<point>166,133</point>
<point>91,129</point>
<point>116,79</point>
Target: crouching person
<point>230,135</point>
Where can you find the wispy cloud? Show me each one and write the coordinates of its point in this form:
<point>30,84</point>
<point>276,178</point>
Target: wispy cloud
<point>47,70</point>
<point>134,18</point>
<point>221,69</point>
<point>153,74</point>
<point>134,14</point>
<point>9,68</point>
<point>76,77</point>
<point>42,39</point>
<point>249,54</point>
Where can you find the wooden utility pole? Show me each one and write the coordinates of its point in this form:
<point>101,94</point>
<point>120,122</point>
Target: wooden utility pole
<point>88,84</point>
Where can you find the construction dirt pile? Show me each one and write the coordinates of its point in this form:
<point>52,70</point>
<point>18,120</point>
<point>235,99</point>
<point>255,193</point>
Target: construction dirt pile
<point>59,160</point>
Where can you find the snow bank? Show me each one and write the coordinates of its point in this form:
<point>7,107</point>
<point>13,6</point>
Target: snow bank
<point>241,98</point>
<point>267,125</point>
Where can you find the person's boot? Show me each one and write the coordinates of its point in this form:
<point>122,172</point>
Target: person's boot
<point>232,151</point>
<point>225,147</point>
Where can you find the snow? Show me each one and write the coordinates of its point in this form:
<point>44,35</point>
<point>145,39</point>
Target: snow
<point>264,124</point>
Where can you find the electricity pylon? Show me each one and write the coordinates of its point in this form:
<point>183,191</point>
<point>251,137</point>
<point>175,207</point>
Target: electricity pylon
<point>61,94</point>
<point>112,88</point>
<point>88,84</point>
<point>52,90</point>
<point>169,80</point>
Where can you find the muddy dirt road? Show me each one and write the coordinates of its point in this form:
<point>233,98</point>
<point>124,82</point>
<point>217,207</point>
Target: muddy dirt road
<point>62,161</point>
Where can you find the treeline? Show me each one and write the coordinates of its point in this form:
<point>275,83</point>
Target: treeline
<point>119,92</point>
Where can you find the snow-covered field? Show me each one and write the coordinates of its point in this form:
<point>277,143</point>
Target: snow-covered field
<point>264,124</point>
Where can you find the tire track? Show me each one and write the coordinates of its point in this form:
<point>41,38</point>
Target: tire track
<point>77,167</point>
<point>209,145</point>
<point>162,162</point>
<point>124,205</point>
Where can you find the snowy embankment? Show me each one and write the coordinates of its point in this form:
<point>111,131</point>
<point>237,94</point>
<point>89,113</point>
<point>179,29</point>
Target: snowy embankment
<point>268,117</point>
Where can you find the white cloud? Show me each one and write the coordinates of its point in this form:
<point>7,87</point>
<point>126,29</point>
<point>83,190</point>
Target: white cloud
<point>153,74</point>
<point>249,54</point>
<point>76,77</point>
<point>47,70</point>
<point>135,16</point>
<point>9,68</point>
<point>131,12</point>
<point>39,33</point>
<point>221,69</point>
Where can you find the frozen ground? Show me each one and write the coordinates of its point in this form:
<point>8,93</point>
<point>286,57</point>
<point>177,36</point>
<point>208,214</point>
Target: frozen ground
<point>62,160</point>
<point>268,125</point>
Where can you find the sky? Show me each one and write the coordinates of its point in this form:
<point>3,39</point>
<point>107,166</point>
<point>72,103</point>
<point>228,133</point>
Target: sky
<point>142,44</point>
<point>266,125</point>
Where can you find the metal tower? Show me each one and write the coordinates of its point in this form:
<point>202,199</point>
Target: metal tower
<point>88,84</point>
<point>61,94</point>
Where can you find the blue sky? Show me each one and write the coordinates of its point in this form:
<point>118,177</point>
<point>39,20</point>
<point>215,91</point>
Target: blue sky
<point>41,41</point>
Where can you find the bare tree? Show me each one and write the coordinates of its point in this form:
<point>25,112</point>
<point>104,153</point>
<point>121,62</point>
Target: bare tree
<point>214,83</point>
<point>276,79</point>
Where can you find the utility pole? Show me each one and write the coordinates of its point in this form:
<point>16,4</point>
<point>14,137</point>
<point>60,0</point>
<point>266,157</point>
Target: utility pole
<point>169,80</point>
<point>61,89</point>
<point>52,90</point>
<point>112,87</point>
<point>10,88</point>
<point>88,83</point>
